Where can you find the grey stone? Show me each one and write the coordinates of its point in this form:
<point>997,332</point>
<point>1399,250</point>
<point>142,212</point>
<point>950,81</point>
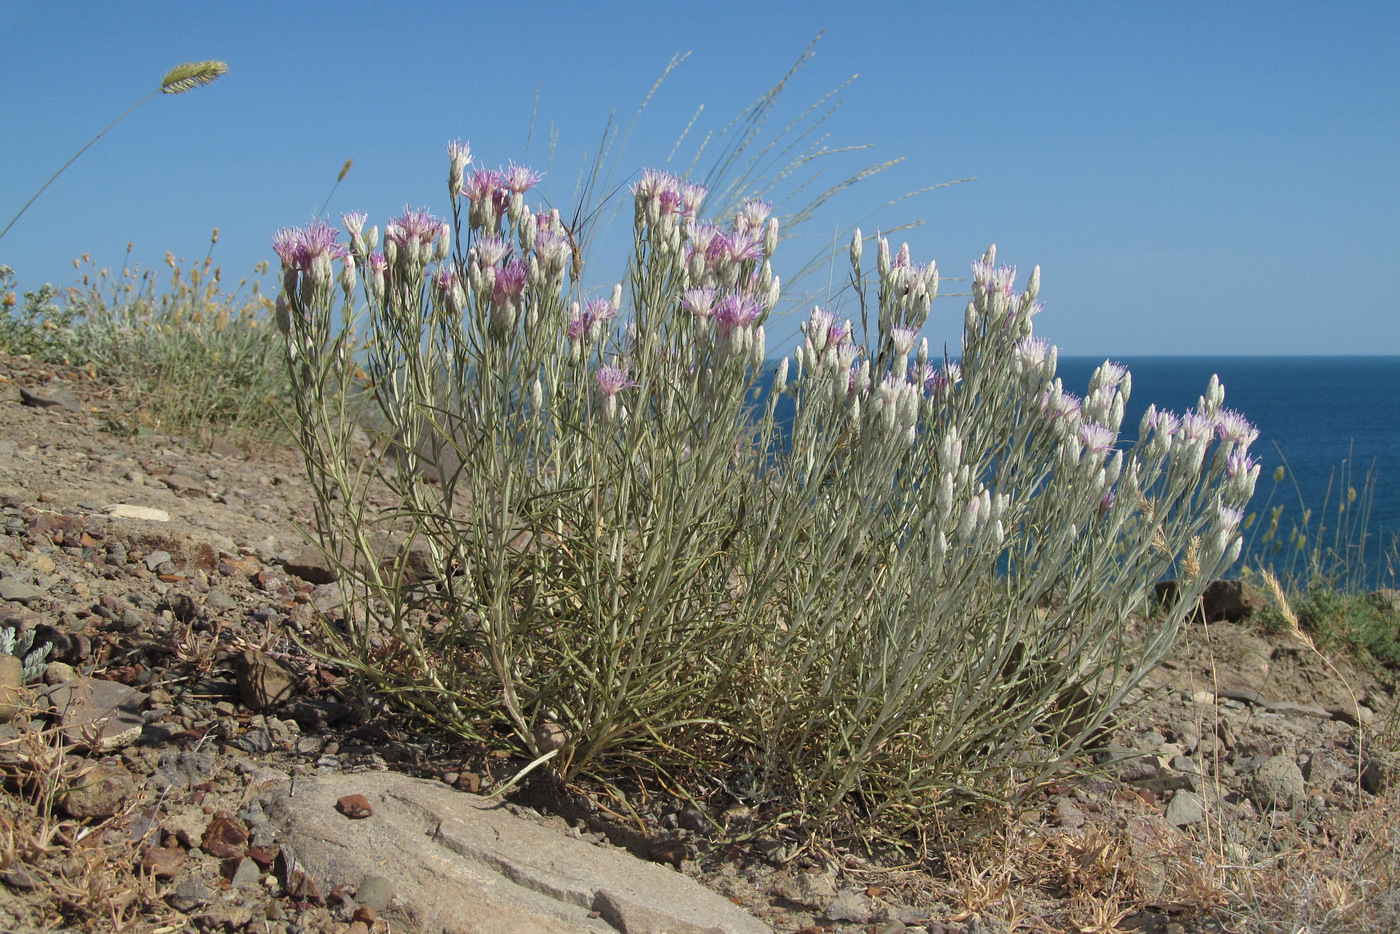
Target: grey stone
<point>263,682</point>
<point>1278,783</point>
<point>190,894</point>
<point>246,873</point>
<point>156,558</point>
<point>11,687</point>
<point>1186,807</point>
<point>103,714</point>
<point>457,856</point>
<point>99,791</point>
<point>17,591</point>
<point>51,397</point>
<point>848,906</point>
<point>217,600</point>
<point>813,890</point>
<point>375,892</point>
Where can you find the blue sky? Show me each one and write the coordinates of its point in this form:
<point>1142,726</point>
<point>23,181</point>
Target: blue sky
<point>1193,178</point>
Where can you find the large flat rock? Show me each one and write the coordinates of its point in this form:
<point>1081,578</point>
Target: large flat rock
<point>463,865</point>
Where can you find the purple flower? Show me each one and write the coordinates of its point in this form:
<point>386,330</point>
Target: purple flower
<point>1232,426</point>
<point>1162,422</point>
<point>702,238</point>
<point>482,185</point>
<point>653,183</point>
<point>1106,503</point>
<point>377,263</point>
<point>1238,463</point>
<point>903,340</point>
<point>519,179</point>
<point>491,250</point>
<point>1097,438</point>
<point>1230,518</point>
<point>735,312</point>
<point>1032,351</point>
<point>1197,427</point>
<point>445,278</point>
<point>691,196</point>
<point>510,282</point>
<point>553,249</point>
<point>1111,374</point>
<point>612,380</point>
<point>993,279</point>
<point>699,302</point>
<point>755,213</point>
<point>417,226</point>
<point>586,324</point>
<point>940,380</point>
<point>298,247</point>
<point>743,244</point>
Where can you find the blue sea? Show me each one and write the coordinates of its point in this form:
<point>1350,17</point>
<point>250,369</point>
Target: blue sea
<point>1333,423</point>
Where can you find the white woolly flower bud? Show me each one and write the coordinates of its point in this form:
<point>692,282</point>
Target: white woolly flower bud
<point>970,318</point>
<point>967,525</point>
<point>882,258</point>
<point>770,238</point>
<point>775,292</point>
<point>857,248</point>
<point>616,299</point>
<point>944,497</point>
<point>756,357</point>
<point>284,316</point>
<point>780,380</point>
<point>536,396</point>
<point>347,277</point>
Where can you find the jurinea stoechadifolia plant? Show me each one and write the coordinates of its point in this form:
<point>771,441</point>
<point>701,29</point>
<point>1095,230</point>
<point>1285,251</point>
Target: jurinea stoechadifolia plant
<point>914,581</point>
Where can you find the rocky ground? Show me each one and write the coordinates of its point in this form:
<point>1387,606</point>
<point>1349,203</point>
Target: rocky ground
<point>141,755</point>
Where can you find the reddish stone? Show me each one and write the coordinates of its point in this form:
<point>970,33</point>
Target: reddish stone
<point>225,837</point>
<point>162,862</point>
<point>355,807</point>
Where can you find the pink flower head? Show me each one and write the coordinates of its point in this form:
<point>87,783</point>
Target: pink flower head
<point>491,250</point>
<point>354,222</point>
<point>445,278</point>
<point>519,179</point>
<point>1230,518</point>
<point>298,247</point>
<point>612,380</point>
<point>743,244</point>
<point>1197,427</point>
<point>903,340</point>
<point>1111,374</point>
<point>587,324</point>
<point>510,282</point>
<point>419,226</point>
<point>699,302</point>
<point>823,330</point>
<point>1162,422</point>
<point>653,183</point>
<point>1232,426</point>
<point>671,201</point>
<point>702,239</point>
<point>1097,438</point>
<point>993,279</point>
<point>553,249</point>
<point>735,312</point>
<point>755,214</point>
<point>1033,352</point>
<point>1106,503</point>
<point>938,380</point>
<point>691,196</point>
<point>1238,463</point>
<point>906,278</point>
<point>482,185</point>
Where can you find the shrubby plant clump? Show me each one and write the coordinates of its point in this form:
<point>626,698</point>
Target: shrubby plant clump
<point>909,588</point>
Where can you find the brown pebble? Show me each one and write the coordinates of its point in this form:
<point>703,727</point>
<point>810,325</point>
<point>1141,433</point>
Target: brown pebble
<point>469,781</point>
<point>357,927</point>
<point>365,915</point>
<point>225,837</point>
<point>354,807</point>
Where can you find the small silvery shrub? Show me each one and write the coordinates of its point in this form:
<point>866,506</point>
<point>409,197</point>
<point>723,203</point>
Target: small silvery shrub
<point>22,646</point>
<point>603,544</point>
